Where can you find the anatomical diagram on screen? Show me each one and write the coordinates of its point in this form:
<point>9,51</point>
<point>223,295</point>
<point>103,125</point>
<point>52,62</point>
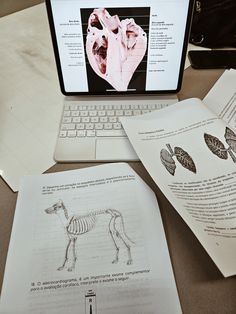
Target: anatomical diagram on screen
<point>115,46</point>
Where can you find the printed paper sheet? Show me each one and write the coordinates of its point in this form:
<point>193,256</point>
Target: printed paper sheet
<point>191,155</point>
<point>88,241</point>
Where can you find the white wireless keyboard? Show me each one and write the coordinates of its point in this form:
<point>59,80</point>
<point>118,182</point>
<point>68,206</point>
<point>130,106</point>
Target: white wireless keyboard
<point>99,121</point>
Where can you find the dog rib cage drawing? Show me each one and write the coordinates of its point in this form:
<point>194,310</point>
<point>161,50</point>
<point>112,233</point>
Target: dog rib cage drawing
<point>78,225</point>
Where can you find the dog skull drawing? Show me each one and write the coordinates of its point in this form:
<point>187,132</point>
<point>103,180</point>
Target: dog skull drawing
<point>114,48</point>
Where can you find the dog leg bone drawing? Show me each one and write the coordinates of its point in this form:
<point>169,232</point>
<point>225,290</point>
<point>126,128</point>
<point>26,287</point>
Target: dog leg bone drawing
<point>78,225</point>
<point>114,48</point>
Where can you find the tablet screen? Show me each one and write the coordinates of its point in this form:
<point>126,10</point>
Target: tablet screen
<point>107,47</point>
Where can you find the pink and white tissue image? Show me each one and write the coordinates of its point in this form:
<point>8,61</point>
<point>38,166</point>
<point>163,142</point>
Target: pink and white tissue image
<point>114,47</point>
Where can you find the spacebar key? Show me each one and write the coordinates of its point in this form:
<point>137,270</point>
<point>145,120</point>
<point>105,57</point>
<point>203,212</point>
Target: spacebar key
<point>110,133</point>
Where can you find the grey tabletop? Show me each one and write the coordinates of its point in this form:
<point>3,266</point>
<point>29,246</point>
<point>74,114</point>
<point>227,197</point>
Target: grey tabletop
<point>201,287</point>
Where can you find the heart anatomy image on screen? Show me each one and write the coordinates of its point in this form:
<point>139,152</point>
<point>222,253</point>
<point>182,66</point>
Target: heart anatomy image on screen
<point>115,47</point>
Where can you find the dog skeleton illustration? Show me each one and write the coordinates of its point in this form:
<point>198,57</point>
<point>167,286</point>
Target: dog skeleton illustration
<point>78,225</point>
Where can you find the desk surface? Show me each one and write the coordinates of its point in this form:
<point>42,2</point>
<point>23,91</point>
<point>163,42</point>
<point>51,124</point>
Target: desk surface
<point>201,286</point>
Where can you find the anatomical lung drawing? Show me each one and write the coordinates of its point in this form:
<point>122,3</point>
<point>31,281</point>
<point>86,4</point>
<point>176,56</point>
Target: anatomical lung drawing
<point>115,46</point>
<point>181,155</point>
<point>218,148</point>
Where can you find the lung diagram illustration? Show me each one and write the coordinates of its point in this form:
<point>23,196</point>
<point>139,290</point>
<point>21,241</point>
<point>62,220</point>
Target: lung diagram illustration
<point>114,47</point>
<point>181,155</point>
<point>77,225</point>
<point>218,148</point>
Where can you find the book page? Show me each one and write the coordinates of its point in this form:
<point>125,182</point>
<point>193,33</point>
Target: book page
<point>191,155</point>
<point>221,99</point>
<point>88,241</point>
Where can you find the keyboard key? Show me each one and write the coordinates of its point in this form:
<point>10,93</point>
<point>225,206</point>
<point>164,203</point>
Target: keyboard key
<point>84,113</point>
<point>81,107</point>
<point>119,113</point>
<point>99,107</point>
<point>136,112</point>
<point>91,107</point>
<point>67,120</point>
<point>101,113</point>
<point>73,107</point>
<point>152,106</point>
<point>72,133</point>
<point>117,126</point>
<point>98,126</point>
<point>107,126</point>
<point>112,119</point>
<point>94,119</point>
<point>63,134</point>
<point>66,113</point>
<point>66,107</point>
<point>69,126</point>
<point>81,133</point>
<point>89,126</point>
<point>80,126</point>
<point>110,112</point>
<point>75,113</point>
<point>85,119</point>
<point>76,119</point>
<point>92,113</point>
<point>163,106</point>
<point>107,107</point>
<point>103,119</point>
<point>91,133</point>
<point>128,112</point>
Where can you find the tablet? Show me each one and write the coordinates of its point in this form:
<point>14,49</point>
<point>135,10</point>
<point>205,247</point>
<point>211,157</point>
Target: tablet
<point>109,47</point>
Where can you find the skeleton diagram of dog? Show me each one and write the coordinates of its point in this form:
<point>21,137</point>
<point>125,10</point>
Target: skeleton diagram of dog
<point>78,225</point>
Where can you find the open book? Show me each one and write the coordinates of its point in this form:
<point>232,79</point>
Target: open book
<point>88,241</point>
<point>190,152</point>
